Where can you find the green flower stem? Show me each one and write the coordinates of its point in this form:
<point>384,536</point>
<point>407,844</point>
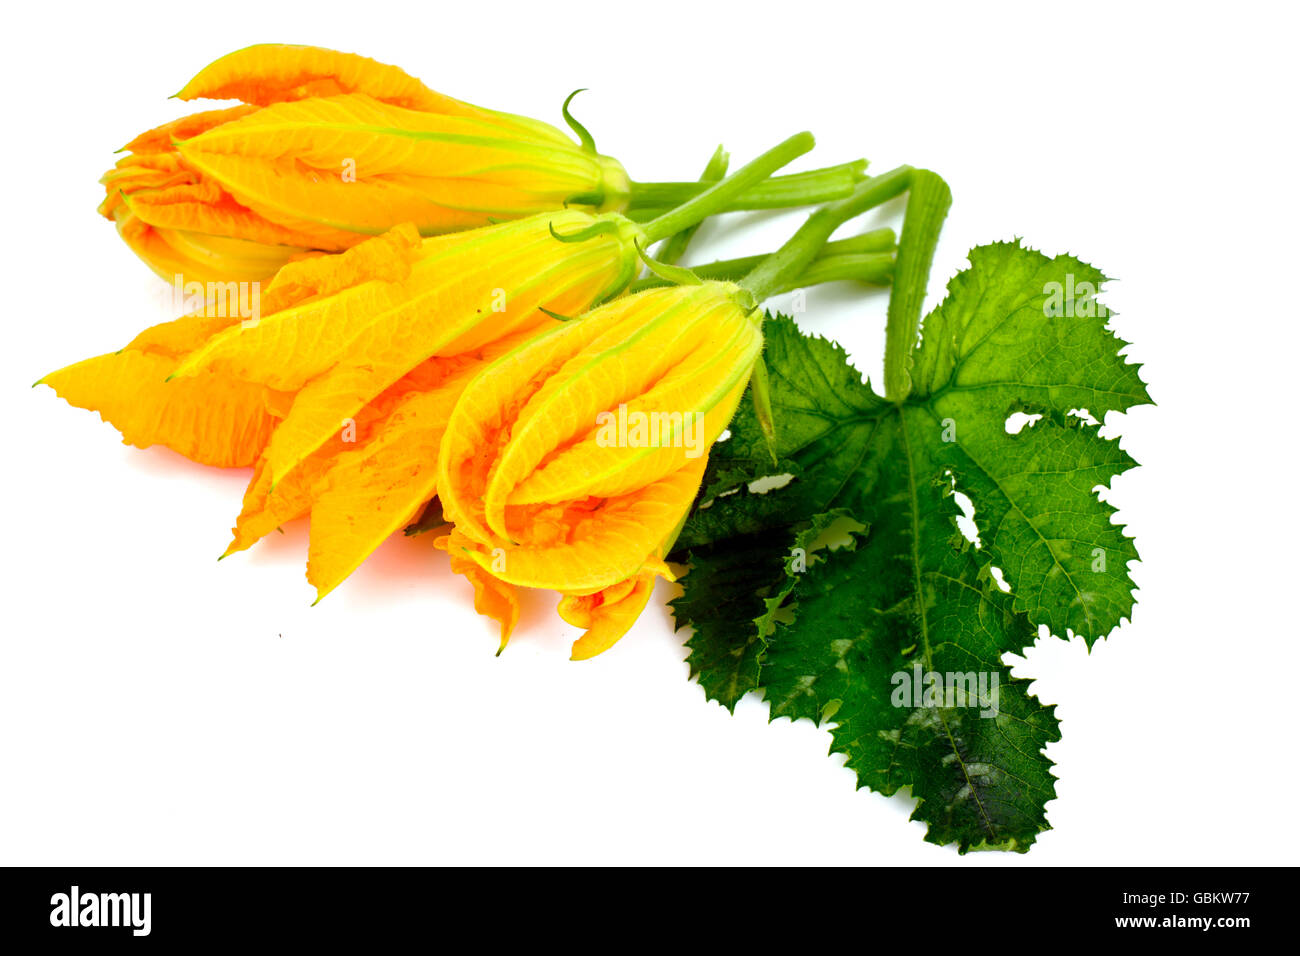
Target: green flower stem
<point>877,240</point>
<point>781,192</point>
<point>872,268</point>
<point>866,258</point>
<point>719,196</point>
<point>674,246</point>
<point>927,205</point>
<point>782,269</point>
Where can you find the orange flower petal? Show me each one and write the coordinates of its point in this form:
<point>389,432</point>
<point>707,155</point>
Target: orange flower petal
<point>352,163</point>
<point>492,597</point>
<point>275,72</point>
<point>463,292</point>
<point>161,139</point>
<point>616,539</point>
<point>685,351</point>
<point>209,418</point>
<point>195,257</point>
<point>606,615</point>
<point>375,489</point>
<point>205,207</point>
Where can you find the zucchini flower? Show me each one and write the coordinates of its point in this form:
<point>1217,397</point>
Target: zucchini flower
<point>339,391</point>
<point>571,463</point>
<point>328,148</point>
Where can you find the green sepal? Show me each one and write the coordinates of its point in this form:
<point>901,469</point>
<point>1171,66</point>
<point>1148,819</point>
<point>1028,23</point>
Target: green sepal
<point>761,394</point>
<point>676,275</point>
<point>584,137</point>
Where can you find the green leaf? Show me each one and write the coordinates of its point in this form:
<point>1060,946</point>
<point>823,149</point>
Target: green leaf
<point>1019,332</point>
<point>824,414</point>
<point>731,597</point>
<point>994,348</point>
<point>871,623</point>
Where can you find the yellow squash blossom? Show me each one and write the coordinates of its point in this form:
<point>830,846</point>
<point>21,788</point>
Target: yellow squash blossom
<point>375,367</point>
<point>571,463</point>
<point>331,147</point>
<point>346,332</point>
<point>328,148</point>
<point>340,391</point>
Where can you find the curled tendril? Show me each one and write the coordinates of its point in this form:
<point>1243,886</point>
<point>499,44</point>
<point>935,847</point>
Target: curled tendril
<point>677,275</point>
<point>760,392</point>
<point>603,228</point>
<point>579,130</point>
<point>555,315</point>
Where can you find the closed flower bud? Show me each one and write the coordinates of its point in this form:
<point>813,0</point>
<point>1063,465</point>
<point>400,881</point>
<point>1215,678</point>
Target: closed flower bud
<point>330,148</point>
<point>570,463</point>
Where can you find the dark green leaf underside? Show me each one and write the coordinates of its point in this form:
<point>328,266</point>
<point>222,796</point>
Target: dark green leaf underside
<point>829,638</point>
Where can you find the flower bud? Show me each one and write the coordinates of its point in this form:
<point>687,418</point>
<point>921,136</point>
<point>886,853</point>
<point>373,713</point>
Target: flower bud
<point>329,148</point>
<point>570,463</point>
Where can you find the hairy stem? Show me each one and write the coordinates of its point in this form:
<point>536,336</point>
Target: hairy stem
<point>674,246</point>
<point>716,198</point>
<point>834,265</point>
<point>780,192</point>
<point>785,265</point>
<point>927,206</point>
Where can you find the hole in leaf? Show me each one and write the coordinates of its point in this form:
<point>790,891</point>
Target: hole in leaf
<point>966,522</point>
<point>1019,421</point>
<point>769,483</point>
<point>835,535</point>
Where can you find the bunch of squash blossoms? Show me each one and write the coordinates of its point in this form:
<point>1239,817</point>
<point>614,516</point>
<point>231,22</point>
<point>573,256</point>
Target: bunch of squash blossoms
<point>458,327</point>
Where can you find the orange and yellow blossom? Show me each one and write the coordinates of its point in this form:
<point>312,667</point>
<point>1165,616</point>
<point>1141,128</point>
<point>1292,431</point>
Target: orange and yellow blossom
<point>339,393</point>
<point>548,488</point>
<point>327,149</point>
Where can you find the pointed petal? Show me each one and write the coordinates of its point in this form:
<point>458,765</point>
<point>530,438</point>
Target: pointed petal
<point>607,615</point>
<point>492,597</point>
<point>274,72</point>
<point>265,508</point>
<point>375,491</point>
<point>209,419</point>
<point>161,139</point>
<point>351,163</point>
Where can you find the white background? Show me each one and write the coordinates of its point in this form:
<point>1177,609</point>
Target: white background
<point>156,707</point>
